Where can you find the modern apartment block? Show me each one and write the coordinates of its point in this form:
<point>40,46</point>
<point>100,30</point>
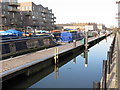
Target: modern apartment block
<point>10,15</point>
<point>37,16</point>
<point>118,14</point>
<point>26,15</point>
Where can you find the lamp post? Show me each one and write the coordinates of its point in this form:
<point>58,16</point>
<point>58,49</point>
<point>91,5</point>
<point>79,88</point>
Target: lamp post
<point>86,47</point>
<point>86,58</point>
<point>86,38</point>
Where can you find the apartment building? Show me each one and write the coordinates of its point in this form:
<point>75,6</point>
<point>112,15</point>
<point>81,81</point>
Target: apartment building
<point>37,16</point>
<point>26,15</point>
<point>10,15</point>
<point>118,14</point>
<point>79,26</point>
<point>101,27</point>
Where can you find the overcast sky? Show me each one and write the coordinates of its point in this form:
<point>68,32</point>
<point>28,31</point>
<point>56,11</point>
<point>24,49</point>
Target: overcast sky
<point>67,11</point>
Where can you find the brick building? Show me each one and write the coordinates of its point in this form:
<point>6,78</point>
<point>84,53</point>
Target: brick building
<point>10,15</point>
<point>25,15</point>
<point>79,26</point>
<point>37,16</point>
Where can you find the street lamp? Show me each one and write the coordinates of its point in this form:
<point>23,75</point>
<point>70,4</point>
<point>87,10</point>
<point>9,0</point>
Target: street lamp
<point>86,38</point>
<point>86,47</point>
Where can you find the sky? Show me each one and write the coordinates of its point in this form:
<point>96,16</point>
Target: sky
<point>78,11</point>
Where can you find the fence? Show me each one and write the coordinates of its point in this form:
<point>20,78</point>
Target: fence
<point>106,68</point>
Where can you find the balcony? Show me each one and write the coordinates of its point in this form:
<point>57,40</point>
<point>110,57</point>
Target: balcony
<point>35,19</point>
<point>53,21</point>
<point>3,16</point>
<point>13,10</point>
<point>13,22</point>
<point>45,21</point>
<point>44,12</point>
<point>28,13</point>
<point>53,18</point>
<point>36,24</point>
<point>14,4</point>
<point>43,16</point>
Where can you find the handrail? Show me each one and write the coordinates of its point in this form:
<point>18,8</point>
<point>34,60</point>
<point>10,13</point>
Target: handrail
<point>106,67</point>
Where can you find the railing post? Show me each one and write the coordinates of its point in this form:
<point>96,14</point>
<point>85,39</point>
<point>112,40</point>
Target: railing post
<point>104,82</point>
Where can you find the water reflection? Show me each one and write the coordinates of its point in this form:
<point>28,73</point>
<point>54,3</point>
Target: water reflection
<point>27,80</point>
<point>61,74</point>
<point>74,60</point>
<point>56,72</point>
<point>106,39</point>
<point>86,58</point>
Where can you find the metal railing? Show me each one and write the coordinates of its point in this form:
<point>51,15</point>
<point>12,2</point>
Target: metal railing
<point>106,68</point>
<point>13,10</point>
<point>14,4</point>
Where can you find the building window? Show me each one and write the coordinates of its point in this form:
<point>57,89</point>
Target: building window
<point>33,8</point>
<point>13,15</point>
<point>33,17</point>
<point>21,13</point>
<point>4,6</point>
<point>29,7</point>
<point>21,18</point>
<point>18,7</point>
<point>23,8</point>
<point>5,20</point>
<point>29,17</point>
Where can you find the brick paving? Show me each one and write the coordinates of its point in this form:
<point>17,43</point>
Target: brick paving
<point>119,61</point>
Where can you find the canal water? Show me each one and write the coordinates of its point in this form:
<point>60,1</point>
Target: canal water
<point>75,72</point>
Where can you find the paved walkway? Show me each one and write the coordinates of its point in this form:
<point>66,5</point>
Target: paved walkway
<point>114,76</point>
<point>111,78</point>
<point>119,61</point>
<point>13,63</point>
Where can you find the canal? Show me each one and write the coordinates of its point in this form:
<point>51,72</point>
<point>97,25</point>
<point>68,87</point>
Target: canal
<point>75,71</point>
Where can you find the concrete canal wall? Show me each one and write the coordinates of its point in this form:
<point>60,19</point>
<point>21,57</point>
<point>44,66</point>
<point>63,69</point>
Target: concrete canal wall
<point>45,60</point>
<point>16,47</point>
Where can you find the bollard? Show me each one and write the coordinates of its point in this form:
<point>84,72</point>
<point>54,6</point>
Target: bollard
<point>74,43</point>
<point>56,56</point>
<point>104,82</point>
<point>86,58</point>
<point>96,85</point>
